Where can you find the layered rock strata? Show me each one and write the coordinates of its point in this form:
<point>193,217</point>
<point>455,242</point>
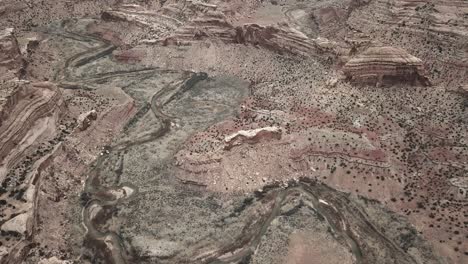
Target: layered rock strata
<point>434,31</point>
<point>11,64</point>
<point>27,139</point>
<point>385,66</point>
<point>37,101</point>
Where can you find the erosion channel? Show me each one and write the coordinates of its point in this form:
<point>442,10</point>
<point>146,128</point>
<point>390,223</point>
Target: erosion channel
<point>135,210</point>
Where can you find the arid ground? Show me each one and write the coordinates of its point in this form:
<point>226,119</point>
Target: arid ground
<point>234,131</point>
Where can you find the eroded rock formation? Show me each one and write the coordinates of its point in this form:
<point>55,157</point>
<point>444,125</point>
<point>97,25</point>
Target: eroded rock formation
<point>175,85</point>
<point>34,102</point>
<point>32,119</point>
<point>252,136</point>
<point>11,66</point>
<point>85,119</point>
<point>385,66</point>
<point>433,30</point>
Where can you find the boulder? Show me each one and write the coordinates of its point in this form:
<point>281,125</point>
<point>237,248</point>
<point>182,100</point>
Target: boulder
<point>85,119</point>
<point>17,224</point>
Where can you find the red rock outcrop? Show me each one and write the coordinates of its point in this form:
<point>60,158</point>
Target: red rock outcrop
<point>212,25</point>
<point>203,21</point>
<point>276,38</point>
<point>384,66</point>
<point>434,31</point>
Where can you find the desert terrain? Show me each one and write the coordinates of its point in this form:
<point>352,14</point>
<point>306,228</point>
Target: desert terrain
<point>234,131</point>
